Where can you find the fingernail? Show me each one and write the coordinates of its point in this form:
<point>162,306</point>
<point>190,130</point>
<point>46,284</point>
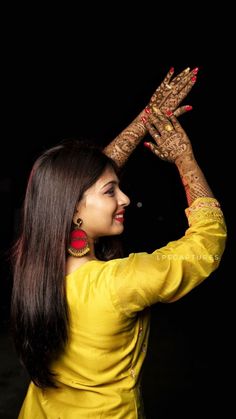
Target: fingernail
<point>148,110</point>
<point>187,70</point>
<point>146,144</point>
<point>195,70</point>
<point>169,113</point>
<point>172,70</point>
<point>188,107</point>
<point>193,79</point>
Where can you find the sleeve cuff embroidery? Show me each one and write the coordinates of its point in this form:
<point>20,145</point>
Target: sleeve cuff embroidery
<point>203,208</point>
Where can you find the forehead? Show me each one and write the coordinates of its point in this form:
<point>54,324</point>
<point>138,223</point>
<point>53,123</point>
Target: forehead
<point>107,176</point>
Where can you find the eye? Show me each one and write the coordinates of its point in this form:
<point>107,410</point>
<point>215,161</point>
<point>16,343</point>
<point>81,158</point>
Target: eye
<point>110,192</point>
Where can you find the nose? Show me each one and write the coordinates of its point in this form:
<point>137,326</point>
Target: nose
<point>123,200</point>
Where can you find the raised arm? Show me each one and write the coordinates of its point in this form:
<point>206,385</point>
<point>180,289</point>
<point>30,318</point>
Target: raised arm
<point>173,145</point>
<point>168,95</point>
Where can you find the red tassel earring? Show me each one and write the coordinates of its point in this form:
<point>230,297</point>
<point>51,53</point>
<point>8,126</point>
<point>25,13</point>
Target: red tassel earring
<point>79,241</point>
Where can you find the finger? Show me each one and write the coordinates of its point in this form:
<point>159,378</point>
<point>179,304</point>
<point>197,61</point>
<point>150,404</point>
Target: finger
<point>160,126</point>
<point>177,79</point>
<point>153,127</point>
<point>181,76</point>
<point>167,78</point>
<point>158,114</point>
<point>185,76</point>
<point>182,109</point>
<point>177,94</point>
<point>156,110</point>
<point>180,80</point>
<point>157,124</point>
<point>184,89</point>
<point>186,81</point>
<point>175,122</point>
<point>175,98</point>
<point>164,84</point>
<point>153,148</point>
<point>156,117</point>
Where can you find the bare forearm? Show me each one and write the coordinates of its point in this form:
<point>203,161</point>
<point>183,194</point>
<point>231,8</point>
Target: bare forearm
<point>124,144</point>
<point>193,179</point>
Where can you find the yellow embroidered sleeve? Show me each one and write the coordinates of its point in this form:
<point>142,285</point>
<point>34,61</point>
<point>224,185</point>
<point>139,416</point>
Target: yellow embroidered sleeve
<point>172,271</point>
<point>203,208</point>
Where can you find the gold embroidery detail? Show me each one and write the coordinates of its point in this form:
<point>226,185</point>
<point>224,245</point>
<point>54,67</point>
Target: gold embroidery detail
<point>204,208</point>
<point>144,347</point>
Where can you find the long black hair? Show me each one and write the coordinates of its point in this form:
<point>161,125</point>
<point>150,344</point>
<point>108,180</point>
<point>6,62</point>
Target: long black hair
<point>39,314</point>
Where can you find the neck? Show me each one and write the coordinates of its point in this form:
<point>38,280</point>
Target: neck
<point>72,262</point>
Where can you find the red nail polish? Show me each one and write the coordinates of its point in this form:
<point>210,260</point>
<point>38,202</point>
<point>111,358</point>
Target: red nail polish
<point>193,79</point>
<point>169,113</point>
<point>143,119</point>
<point>172,70</point>
<point>146,144</point>
<point>195,71</point>
<point>188,107</point>
<point>148,110</point>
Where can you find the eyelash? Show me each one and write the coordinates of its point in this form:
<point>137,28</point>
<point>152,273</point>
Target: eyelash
<point>110,192</point>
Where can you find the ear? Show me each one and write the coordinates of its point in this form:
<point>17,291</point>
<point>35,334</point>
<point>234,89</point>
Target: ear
<point>80,206</point>
<point>76,214</point>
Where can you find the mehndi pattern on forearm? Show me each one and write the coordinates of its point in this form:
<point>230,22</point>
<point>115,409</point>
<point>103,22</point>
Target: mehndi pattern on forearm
<point>122,146</point>
<point>194,181</point>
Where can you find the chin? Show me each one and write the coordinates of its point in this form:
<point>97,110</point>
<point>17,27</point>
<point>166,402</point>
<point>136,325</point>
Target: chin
<point>121,229</point>
<point>117,230</point>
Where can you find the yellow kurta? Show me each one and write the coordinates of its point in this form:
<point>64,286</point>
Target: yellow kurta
<point>98,374</point>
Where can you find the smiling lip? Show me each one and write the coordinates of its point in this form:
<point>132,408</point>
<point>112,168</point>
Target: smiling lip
<point>119,216</point>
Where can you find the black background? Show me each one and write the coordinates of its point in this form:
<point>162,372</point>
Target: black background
<point>89,77</point>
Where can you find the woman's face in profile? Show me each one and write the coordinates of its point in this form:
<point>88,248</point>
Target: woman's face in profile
<point>102,207</point>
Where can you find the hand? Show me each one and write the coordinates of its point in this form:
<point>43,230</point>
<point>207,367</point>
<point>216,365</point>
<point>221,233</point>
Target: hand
<point>170,94</point>
<point>171,139</point>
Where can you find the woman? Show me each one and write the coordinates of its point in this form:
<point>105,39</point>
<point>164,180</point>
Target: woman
<point>80,313</point>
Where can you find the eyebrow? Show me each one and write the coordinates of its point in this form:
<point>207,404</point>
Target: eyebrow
<point>111,182</point>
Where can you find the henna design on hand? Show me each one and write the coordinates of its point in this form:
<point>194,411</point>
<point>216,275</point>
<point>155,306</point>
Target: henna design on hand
<point>173,145</point>
<point>170,98</point>
<point>167,96</point>
<point>172,141</point>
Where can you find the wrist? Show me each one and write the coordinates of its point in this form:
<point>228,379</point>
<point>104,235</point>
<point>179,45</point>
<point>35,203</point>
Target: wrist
<point>185,160</point>
<point>142,119</point>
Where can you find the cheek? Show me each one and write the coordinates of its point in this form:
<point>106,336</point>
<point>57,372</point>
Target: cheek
<point>100,212</point>
<point>99,222</point>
